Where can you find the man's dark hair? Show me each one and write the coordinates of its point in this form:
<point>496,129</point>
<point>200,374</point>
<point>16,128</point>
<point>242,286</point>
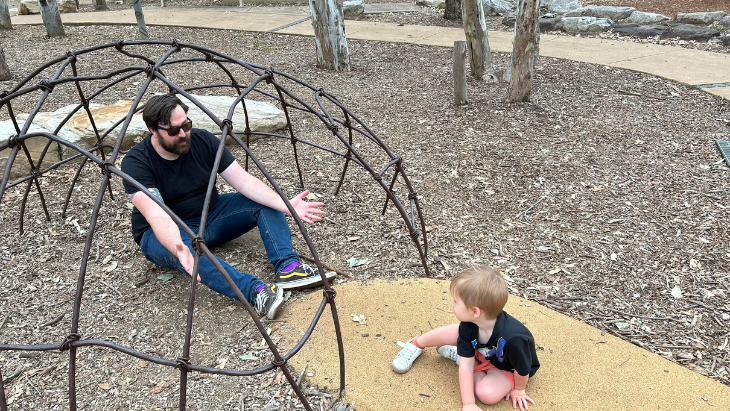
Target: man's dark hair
<point>158,110</point>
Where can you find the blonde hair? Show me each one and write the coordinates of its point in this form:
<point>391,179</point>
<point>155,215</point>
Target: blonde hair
<point>481,287</point>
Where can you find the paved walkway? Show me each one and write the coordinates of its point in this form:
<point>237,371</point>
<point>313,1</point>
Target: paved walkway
<point>705,70</point>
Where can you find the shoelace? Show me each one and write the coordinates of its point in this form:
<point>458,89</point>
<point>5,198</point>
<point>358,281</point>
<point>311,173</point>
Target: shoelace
<point>407,351</point>
<point>261,298</point>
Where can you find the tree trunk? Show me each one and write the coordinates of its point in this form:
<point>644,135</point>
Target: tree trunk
<point>524,50</point>
<point>100,5</point>
<point>51,18</point>
<point>4,70</point>
<point>475,29</point>
<point>5,23</point>
<point>453,10</point>
<point>329,35</point>
<point>140,20</point>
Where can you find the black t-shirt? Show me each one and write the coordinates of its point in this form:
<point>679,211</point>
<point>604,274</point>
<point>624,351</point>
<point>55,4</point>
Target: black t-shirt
<point>182,182</point>
<point>511,346</point>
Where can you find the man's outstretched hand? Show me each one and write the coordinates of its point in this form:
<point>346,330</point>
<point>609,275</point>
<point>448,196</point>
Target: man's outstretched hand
<point>185,257</point>
<point>307,211</point>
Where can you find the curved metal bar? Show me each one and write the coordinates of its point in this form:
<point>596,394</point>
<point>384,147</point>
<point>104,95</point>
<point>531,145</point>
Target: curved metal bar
<point>99,155</point>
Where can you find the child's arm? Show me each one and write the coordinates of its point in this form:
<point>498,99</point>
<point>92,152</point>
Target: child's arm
<point>466,383</point>
<point>517,394</point>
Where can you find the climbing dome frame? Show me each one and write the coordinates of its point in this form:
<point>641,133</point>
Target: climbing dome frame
<point>81,75</point>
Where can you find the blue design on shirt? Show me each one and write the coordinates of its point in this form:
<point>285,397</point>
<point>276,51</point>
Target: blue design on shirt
<point>498,350</point>
<point>474,343</point>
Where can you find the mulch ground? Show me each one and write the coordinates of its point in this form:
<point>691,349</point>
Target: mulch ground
<point>603,198</point>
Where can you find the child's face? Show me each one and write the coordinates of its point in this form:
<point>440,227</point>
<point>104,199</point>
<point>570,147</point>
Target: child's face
<point>461,311</point>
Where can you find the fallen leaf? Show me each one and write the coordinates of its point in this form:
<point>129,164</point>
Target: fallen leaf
<point>354,238</point>
<point>222,363</point>
<point>359,318</point>
<point>247,356</point>
<point>355,262</point>
<point>111,267</point>
<point>623,326</point>
<point>165,277</point>
<point>555,271</point>
<point>105,386</point>
<point>676,292</point>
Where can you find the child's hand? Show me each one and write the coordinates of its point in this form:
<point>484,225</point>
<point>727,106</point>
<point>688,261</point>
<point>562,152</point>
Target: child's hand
<point>470,407</point>
<point>519,397</point>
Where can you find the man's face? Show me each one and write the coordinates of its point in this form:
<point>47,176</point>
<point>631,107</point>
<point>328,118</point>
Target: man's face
<point>178,143</point>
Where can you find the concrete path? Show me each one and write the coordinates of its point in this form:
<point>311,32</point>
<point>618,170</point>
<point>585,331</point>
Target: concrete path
<point>705,70</point>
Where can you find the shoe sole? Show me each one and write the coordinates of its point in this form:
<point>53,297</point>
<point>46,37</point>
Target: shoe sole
<point>306,282</point>
<point>277,305</point>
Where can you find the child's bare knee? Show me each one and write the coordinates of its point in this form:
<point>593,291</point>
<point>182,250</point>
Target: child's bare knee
<point>488,394</point>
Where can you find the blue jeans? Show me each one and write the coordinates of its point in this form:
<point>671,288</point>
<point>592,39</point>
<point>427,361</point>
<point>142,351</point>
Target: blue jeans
<point>232,216</point>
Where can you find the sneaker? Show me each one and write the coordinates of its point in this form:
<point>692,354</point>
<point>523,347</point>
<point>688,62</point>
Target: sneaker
<point>449,352</point>
<point>268,301</point>
<point>404,360</point>
<point>301,276</point>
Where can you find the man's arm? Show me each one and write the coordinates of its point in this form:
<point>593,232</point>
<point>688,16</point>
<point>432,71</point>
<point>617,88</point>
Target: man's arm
<point>165,229</point>
<point>258,191</point>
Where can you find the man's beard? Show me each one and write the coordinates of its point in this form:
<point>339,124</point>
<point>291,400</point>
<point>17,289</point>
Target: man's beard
<point>175,147</point>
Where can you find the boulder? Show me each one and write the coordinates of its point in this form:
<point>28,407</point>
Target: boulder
<point>640,31</point>
<point>701,18</point>
<point>691,32</point>
<point>509,20</point>
<point>604,12</point>
<point>436,4</point>
<point>550,23</point>
<point>546,23</point>
<point>726,40</point>
<point>641,17</point>
<point>353,9</point>
<point>262,116</point>
<point>560,6</point>
<point>67,6</point>
<point>497,7</point>
<point>28,7</point>
<point>725,21</point>
<point>586,24</point>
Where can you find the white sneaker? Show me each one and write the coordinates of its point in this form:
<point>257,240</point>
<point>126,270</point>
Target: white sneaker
<point>404,360</point>
<point>449,352</point>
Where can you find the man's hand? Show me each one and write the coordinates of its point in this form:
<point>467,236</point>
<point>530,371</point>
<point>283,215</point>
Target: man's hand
<point>470,407</point>
<point>519,398</point>
<point>186,258</point>
<point>307,211</point>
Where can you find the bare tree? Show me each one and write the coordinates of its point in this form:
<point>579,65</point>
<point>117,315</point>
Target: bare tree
<point>51,18</point>
<point>4,70</point>
<point>524,50</point>
<point>452,10</point>
<point>475,29</point>
<point>100,5</point>
<point>329,35</point>
<point>5,23</point>
<point>140,20</point>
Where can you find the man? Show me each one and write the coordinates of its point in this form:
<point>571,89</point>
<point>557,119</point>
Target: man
<point>174,163</point>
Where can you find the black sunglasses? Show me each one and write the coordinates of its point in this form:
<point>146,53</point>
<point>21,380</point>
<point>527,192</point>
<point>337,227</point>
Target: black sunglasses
<point>173,131</point>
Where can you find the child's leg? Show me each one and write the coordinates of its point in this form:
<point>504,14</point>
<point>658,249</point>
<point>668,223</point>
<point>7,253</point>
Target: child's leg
<point>446,335</point>
<point>491,386</point>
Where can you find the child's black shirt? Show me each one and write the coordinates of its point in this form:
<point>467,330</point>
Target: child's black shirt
<point>511,346</point>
